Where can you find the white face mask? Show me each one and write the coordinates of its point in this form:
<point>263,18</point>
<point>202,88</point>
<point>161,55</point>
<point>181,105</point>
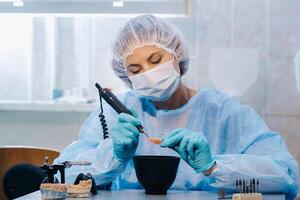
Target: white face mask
<point>157,84</point>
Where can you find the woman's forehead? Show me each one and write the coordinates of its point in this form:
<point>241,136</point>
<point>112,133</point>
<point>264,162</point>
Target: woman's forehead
<point>143,53</point>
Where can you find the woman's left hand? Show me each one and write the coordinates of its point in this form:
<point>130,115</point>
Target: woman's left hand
<point>192,148</point>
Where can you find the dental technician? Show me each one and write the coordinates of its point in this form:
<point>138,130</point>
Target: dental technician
<point>218,139</point>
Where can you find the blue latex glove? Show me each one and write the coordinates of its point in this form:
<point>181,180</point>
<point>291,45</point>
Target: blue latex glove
<point>125,136</point>
<point>192,148</point>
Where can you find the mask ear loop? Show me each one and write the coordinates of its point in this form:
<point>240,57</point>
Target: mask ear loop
<point>176,64</point>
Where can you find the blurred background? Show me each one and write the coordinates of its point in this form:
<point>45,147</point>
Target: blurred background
<point>52,53</point>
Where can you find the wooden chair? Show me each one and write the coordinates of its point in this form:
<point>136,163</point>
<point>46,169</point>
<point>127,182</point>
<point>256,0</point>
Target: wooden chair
<point>12,155</point>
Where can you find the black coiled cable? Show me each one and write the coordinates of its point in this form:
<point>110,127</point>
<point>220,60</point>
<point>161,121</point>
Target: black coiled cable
<point>103,121</point>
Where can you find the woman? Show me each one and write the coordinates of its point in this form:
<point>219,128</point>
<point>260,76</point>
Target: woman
<point>218,139</point>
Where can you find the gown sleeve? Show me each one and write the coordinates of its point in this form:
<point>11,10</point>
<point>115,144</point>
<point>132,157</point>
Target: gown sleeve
<point>91,147</point>
<point>260,153</point>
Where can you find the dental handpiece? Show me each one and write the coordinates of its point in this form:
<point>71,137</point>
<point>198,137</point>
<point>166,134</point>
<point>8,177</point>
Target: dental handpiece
<point>116,104</point>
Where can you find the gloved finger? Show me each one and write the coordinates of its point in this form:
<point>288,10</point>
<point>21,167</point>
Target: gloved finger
<point>123,141</point>
<point>173,140</point>
<point>199,144</point>
<point>123,117</point>
<point>127,131</point>
<point>170,134</point>
<point>183,148</point>
<point>127,144</point>
<point>131,130</point>
<point>129,134</point>
<point>118,134</point>
<point>133,112</point>
<point>192,147</point>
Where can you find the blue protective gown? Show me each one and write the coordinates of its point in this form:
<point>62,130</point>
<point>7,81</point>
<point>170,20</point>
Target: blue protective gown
<point>240,142</point>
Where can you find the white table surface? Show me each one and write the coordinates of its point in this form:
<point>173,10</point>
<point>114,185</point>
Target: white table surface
<point>140,195</point>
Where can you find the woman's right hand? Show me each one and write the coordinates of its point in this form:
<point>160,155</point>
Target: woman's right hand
<point>125,136</point>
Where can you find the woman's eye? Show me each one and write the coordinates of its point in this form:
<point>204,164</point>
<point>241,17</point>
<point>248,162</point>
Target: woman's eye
<point>135,71</point>
<point>156,61</point>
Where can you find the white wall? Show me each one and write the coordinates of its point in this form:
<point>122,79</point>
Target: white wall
<point>271,29</point>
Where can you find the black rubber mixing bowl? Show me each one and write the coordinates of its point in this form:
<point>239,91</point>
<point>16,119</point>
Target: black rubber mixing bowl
<point>156,173</point>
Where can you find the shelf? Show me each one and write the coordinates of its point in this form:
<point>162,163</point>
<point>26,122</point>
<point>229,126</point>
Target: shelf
<point>46,106</point>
